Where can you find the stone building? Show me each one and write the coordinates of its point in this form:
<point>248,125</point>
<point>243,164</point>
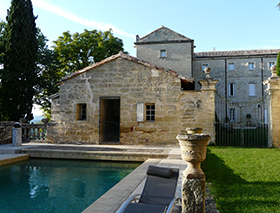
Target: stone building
<point>129,101</point>
<point>239,73</point>
<point>151,98</point>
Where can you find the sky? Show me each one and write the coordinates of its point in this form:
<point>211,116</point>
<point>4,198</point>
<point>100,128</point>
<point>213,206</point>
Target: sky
<point>220,24</point>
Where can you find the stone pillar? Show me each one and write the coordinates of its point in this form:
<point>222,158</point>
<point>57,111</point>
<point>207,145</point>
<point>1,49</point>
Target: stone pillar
<point>208,83</point>
<point>17,134</point>
<point>209,87</point>
<point>193,149</point>
<point>273,88</point>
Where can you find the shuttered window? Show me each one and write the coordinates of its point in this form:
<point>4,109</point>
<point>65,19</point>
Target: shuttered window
<point>252,89</point>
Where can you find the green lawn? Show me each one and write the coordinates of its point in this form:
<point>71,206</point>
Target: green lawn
<point>244,179</point>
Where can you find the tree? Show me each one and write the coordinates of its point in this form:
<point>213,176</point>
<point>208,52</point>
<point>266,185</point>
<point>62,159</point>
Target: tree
<point>278,64</point>
<point>19,76</point>
<point>80,50</point>
<point>2,47</point>
<point>49,73</point>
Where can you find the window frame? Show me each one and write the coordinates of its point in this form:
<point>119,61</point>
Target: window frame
<point>252,90</point>
<point>253,64</point>
<point>231,66</point>
<point>150,112</point>
<point>232,114</point>
<point>81,114</point>
<point>231,89</point>
<point>161,53</point>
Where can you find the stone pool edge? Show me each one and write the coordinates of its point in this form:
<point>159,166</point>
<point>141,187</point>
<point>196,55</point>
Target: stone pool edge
<point>7,159</point>
<point>112,199</point>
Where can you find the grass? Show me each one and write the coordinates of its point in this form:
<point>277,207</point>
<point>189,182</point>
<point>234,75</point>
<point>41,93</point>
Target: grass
<point>244,179</point>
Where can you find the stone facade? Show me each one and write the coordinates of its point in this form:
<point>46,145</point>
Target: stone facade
<point>134,83</point>
<point>178,50</point>
<point>240,76</point>
<point>157,79</point>
<point>241,70</point>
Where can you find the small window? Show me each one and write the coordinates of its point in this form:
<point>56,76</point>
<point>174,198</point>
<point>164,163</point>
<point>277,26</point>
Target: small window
<point>163,53</point>
<point>232,114</point>
<point>231,66</point>
<point>204,66</point>
<point>231,89</point>
<point>251,66</point>
<point>150,112</point>
<point>270,64</point>
<point>252,89</point>
<point>81,112</point>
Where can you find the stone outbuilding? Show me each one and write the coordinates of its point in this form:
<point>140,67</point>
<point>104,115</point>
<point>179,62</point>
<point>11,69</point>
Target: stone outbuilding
<point>124,100</point>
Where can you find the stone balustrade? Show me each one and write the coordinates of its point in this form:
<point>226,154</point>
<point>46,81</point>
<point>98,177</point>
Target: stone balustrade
<point>34,132</point>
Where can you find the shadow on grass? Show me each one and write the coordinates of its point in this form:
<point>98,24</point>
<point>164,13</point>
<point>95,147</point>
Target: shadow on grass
<point>234,194</point>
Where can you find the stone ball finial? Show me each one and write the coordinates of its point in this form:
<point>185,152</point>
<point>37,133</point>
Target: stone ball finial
<point>207,71</point>
<point>273,69</point>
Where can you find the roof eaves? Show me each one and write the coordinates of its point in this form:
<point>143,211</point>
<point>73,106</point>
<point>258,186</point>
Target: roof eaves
<point>236,53</point>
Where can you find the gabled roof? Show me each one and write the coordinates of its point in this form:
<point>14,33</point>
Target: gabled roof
<point>130,58</point>
<point>162,35</point>
<point>236,53</point>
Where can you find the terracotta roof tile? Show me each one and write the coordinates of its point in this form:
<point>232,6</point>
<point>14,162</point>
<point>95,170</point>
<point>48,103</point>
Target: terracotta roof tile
<point>236,53</point>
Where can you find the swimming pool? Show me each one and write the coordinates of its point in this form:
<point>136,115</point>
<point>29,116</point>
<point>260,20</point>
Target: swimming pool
<point>48,185</point>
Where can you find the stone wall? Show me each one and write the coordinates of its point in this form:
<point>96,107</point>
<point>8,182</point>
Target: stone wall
<point>273,89</point>
<point>241,77</point>
<point>178,56</point>
<point>133,83</point>
<point>6,131</point>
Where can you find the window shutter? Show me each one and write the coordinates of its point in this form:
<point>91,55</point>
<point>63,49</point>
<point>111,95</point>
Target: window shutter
<point>140,112</point>
<point>252,90</point>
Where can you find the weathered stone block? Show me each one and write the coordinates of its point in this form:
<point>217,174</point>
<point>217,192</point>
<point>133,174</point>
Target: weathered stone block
<point>193,195</point>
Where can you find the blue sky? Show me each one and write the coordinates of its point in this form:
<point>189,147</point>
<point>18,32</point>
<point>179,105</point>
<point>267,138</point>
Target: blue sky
<point>223,24</point>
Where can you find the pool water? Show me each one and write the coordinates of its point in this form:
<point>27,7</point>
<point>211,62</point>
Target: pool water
<point>47,185</point>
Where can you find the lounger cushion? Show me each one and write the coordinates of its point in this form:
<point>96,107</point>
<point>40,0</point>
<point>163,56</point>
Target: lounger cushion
<point>144,208</point>
<point>159,171</point>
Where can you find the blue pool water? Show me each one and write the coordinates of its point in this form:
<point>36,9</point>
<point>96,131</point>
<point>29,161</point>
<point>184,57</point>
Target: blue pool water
<point>47,185</point>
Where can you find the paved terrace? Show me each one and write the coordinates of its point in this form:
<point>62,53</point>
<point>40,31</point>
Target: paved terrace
<point>130,185</point>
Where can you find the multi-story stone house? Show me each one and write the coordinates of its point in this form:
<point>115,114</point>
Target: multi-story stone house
<point>151,98</point>
<point>239,73</point>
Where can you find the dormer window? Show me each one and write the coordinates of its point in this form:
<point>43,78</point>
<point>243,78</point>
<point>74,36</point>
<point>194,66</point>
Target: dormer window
<point>163,53</point>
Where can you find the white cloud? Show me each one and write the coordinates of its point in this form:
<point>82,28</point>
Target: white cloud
<point>45,5</point>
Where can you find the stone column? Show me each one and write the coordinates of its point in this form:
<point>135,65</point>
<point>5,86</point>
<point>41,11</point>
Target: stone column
<point>208,89</point>
<point>273,88</point>
<point>17,134</point>
<point>193,150</point>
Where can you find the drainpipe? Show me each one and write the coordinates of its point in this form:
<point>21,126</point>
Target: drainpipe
<point>262,76</point>
<point>226,87</point>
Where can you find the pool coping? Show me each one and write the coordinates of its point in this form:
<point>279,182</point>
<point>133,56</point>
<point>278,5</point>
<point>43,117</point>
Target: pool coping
<point>133,184</point>
<point>7,159</point>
